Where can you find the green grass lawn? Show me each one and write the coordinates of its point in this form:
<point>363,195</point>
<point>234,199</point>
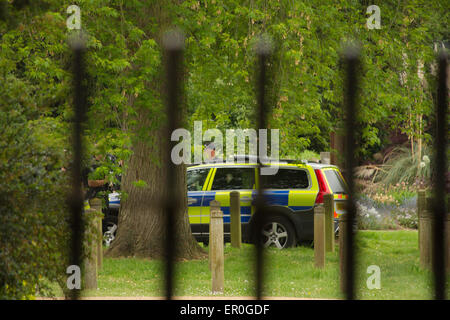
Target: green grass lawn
<point>289,273</point>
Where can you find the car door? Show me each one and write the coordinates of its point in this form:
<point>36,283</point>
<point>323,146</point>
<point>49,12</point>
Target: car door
<point>293,187</point>
<point>223,181</point>
<point>196,181</point>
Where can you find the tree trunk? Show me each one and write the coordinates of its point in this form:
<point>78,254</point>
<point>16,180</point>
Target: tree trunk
<point>141,225</point>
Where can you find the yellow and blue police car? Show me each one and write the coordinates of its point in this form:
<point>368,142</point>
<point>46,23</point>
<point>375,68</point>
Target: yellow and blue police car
<point>291,195</point>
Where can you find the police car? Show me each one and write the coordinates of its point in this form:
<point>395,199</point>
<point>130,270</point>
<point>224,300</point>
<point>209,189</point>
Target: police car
<point>291,195</point>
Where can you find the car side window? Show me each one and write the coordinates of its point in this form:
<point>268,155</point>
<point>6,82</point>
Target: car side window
<point>196,179</point>
<point>287,179</point>
<point>234,179</point>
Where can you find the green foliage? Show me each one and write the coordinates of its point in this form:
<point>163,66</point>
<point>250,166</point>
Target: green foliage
<point>124,66</point>
<point>33,217</point>
<point>406,168</point>
<point>140,184</point>
<point>309,155</point>
<point>305,72</point>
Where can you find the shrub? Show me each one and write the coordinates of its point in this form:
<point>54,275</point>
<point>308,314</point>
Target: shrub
<point>406,167</point>
<point>33,215</point>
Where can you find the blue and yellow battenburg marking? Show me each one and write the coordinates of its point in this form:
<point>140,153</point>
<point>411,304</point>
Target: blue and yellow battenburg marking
<point>199,208</point>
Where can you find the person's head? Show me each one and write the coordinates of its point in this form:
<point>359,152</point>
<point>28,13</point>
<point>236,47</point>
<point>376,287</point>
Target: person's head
<point>229,177</point>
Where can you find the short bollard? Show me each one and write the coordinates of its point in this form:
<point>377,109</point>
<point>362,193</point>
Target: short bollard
<point>96,205</point>
<point>90,262</point>
<point>235,219</point>
<point>421,199</point>
<point>319,236</point>
<point>216,247</point>
<point>447,242</point>
<point>425,232</point>
<point>328,202</point>
<point>343,225</point>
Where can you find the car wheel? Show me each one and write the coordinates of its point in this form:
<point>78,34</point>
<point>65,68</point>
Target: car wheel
<point>278,232</point>
<point>110,233</point>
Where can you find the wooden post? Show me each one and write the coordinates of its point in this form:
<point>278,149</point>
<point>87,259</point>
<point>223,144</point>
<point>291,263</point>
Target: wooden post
<point>235,219</point>
<point>337,147</point>
<point>319,236</point>
<point>420,207</point>
<point>328,202</point>
<point>447,242</point>
<point>343,225</point>
<point>333,158</point>
<point>216,247</point>
<point>96,205</point>
<point>447,233</point>
<point>90,245</point>
<point>213,206</point>
<point>325,157</point>
<point>425,232</point>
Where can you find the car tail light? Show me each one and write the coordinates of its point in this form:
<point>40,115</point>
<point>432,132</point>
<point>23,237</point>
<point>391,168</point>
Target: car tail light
<point>323,187</point>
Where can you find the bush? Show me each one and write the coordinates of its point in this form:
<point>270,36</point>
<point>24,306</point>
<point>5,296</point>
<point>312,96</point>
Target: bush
<point>33,214</point>
<point>406,167</point>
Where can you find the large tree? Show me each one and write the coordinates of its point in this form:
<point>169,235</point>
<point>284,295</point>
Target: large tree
<point>142,227</point>
<point>124,65</point>
<point>125,102</point>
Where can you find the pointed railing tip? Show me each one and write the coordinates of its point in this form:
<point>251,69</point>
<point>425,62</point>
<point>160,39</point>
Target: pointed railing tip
<point>173,40</point>
<point>263,45</point>
<point>77,40</point>
<point>351,51</point>
<point>443,54</point>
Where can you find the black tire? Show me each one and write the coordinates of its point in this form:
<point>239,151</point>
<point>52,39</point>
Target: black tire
<point>278,232</point>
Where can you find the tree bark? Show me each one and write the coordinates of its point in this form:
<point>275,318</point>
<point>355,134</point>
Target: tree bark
<point>141,225</point>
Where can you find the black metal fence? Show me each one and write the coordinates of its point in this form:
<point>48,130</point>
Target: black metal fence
<point>351,59</point>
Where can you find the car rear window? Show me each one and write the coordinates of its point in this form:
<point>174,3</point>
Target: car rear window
<point>335,181</point>
<point>287,179</point>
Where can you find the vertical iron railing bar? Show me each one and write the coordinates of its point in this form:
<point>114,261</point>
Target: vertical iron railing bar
<point>260,203</point>
<point>439,183</point>
<point>173,47</point>
<point>76,198</point>
<point>351,58</point>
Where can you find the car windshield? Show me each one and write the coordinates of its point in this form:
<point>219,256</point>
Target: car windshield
<point>196,178</point>
<point>335,181</point>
